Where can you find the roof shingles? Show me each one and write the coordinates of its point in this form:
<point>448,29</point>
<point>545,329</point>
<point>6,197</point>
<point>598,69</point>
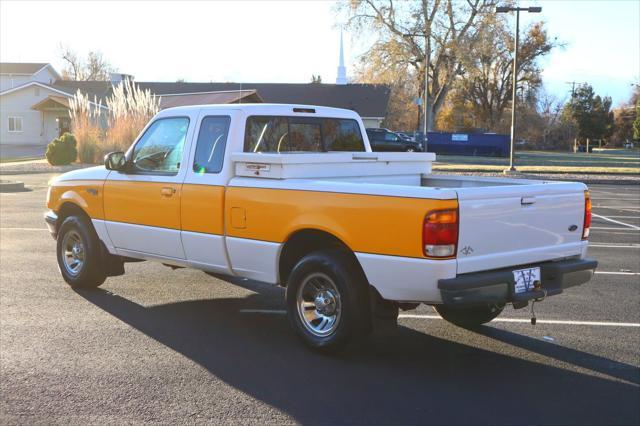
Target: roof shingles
<point>368,100</point>
<point>21,67</point>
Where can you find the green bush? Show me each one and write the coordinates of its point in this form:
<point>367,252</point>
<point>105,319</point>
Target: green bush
<point>62,150</point>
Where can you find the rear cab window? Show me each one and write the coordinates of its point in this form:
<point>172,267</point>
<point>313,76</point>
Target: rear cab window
<point>286,134</point>
<point>210,147</point>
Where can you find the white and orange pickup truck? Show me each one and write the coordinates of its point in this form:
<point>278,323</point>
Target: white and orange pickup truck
<point>292,195</point>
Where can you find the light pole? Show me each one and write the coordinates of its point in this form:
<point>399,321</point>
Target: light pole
<point>425,113</point>
<point>506,9</point>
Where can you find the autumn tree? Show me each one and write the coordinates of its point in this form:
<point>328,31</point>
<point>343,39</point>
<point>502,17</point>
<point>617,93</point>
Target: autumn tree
<point>401,31</point>
<point>94,67</point>
<point>487,79</point>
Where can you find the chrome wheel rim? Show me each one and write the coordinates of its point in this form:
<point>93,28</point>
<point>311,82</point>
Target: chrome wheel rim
<point>73,252</point>
<point>319,306</point>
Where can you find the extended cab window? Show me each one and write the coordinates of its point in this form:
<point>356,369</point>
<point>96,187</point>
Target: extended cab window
<point>159,150</point>
<point>302,134</point>
<point>212,140</point>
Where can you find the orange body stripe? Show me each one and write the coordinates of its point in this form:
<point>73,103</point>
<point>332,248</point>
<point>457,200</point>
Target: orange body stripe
<point>202,208</point>
<point>142,203</point>
<point>86,194</point>
<point>366,223</point>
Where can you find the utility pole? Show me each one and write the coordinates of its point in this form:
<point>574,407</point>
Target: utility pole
<point>506,9</point>
<point>427,57</point>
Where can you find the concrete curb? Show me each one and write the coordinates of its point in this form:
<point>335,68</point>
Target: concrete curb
<point>11,186</point>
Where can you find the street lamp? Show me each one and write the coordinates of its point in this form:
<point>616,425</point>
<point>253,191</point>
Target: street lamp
<point>426,84</point>
<point>506,9</point>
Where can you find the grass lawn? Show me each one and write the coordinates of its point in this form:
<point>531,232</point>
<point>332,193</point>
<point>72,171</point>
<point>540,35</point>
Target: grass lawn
<point>610,161</point>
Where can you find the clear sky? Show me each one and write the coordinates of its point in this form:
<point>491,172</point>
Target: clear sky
<point>275,41</point>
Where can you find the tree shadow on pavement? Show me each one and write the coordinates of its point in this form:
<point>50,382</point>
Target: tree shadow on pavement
<point>404,377</point>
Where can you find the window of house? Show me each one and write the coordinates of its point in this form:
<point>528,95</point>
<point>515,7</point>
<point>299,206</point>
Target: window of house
<point>159,150</point>
<point>302,134</point>
<point>15,124</point>
<point>212,140</point>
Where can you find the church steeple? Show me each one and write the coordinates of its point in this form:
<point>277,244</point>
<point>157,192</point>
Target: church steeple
<point>342,71</point>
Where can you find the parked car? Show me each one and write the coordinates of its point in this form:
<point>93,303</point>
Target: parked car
<point>386,140</point>
<point>628,145</point>
<point>352,235</point>
<point>406,136</point>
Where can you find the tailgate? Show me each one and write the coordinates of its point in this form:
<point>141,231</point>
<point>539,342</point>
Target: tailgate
<point>517,225</point>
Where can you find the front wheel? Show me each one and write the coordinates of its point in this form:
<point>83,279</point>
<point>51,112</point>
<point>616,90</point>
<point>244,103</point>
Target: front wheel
<point>469,316</point>
<point>78,253</point>
<point>327,301</point>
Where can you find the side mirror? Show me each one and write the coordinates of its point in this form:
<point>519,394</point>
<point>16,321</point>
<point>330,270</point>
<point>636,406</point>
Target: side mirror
<point>115,161</point>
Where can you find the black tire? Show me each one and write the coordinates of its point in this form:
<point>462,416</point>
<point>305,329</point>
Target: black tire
<point>90,273</point>
<point>469,316</point>
<point>336,270</point>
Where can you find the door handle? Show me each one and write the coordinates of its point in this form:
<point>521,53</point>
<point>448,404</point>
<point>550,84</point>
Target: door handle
<point>526,201</point>
<point>167,191</point>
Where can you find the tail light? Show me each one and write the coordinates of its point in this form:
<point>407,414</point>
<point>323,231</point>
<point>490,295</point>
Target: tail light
<point>440,234</point>
<point>587,215</point>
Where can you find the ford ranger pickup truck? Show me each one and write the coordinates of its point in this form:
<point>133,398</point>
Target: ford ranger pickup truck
<point>293,195</point>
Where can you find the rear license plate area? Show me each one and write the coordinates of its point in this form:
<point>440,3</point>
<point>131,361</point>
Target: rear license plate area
<point>526,280</point>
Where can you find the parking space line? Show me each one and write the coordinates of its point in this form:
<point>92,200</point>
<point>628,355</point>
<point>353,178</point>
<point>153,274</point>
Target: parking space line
<point>622,209</point>
<point>604,228</point>
<point>616,273</point>
<point>631,246</point>
<point>263,311</point>
<point>624,217</point>
<point>541,321</point>
<point>617,199</point>
<point>512,320</point>
<point>617,222</point>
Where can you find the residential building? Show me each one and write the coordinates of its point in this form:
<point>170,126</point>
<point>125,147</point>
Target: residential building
<point>34,100</point>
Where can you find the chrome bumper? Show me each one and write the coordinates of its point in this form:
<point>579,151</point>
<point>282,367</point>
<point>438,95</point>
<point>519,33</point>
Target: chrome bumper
<point>51,219</point>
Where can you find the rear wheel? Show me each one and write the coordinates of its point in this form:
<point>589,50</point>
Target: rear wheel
<point>327,301</point>
<point>78,253</point>
<point>469,316</point>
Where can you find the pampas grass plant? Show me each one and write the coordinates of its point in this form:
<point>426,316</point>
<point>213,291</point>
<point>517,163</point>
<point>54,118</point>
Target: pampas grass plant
<point>100,130</point>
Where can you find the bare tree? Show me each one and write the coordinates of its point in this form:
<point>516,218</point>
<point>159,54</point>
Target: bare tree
<point>402,29</point>
<point>95,67</point>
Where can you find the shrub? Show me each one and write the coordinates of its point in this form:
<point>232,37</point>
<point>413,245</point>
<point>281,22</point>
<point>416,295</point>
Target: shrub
<point>62,151</point>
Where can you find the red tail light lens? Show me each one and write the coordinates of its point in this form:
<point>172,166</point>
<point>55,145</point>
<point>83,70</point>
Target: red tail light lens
<point>587,216</point>
<point>440,234</point>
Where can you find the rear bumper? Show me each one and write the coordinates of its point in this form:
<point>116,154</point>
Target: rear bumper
<point>51,219</point>
<point>497,286</point>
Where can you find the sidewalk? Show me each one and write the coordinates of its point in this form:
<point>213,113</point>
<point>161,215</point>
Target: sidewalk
<point>37,166</point>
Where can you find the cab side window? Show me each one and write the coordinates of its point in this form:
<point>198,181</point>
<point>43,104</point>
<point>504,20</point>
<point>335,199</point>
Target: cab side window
<point>212,140</point>
<point>391,137</point>
<point>159,150</point>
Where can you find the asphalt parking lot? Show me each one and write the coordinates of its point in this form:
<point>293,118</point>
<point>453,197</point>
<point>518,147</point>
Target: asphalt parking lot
<point>163,346</point>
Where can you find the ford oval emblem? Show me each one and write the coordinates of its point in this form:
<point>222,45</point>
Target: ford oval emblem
<point>573,228</point>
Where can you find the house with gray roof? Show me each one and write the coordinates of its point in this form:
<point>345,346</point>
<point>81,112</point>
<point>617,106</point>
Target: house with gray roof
<point>34,99</point>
